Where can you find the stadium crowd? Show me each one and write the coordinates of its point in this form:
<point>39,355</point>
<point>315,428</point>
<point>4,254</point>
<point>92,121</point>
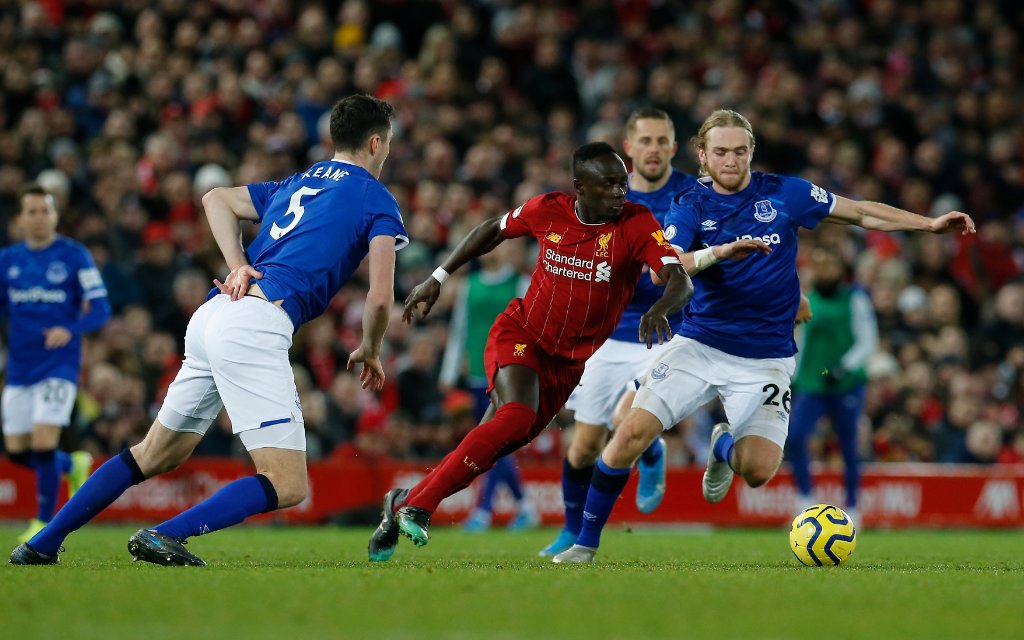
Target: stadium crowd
<point>128,112</point>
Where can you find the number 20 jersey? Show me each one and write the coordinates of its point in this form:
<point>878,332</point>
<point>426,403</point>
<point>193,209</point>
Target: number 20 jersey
<point>315,229</point>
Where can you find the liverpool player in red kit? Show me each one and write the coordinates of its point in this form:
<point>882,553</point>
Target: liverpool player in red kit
<point>593,248</point>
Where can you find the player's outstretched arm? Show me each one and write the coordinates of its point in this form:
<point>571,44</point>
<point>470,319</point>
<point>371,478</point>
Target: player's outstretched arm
<point>376,312</point>
<point>696,261</point>
<point>225,207</point>
<point>482,239</point>
<point>882,217</point>
<point>654,325</point>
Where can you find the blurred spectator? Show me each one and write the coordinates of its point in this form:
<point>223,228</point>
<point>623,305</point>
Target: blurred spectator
<point>132,113</point>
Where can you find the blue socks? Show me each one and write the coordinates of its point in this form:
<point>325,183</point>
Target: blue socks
<point>49,467</point>
<point>723,449</point>
<point>503,471</point>
<point>27,459</point>
<point>235,502</point>
<point>605,489</point>
<point>47,484</point>
<point>653,453</point>
<point>575,484</point>
<point>104,486</point>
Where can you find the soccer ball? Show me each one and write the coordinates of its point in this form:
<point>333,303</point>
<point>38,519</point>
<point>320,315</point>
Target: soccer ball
<point>822,536</point>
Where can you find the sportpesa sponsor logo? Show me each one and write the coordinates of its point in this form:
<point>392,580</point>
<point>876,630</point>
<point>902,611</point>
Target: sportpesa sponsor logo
<point>36,294</point>
<point>769,238</point>
<point>603,270</point>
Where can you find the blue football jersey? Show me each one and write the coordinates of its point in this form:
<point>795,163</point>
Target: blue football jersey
<point>42,289</point>
<point>647,293</point>
<point>315,229</point>
<point>747,307</point>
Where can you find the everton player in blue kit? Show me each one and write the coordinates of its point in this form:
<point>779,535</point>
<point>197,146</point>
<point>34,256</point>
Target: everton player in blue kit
<point>51,293</point>
<point>736,339</point>
<point>650,144</point>
<point>315,229</point>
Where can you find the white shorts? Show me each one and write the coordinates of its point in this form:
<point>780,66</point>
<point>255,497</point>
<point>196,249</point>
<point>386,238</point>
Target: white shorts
<point>236,356</point>
<point>754,391</point>
<point>607,375</point>
<point>49,402</point>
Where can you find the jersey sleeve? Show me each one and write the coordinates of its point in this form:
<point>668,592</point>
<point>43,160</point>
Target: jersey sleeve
<point>261,193</point>
<point>681,223</point>
<point>808,202</point>
<point>385,217</point>
<point>652,247</point>
<point>89,278</point>
<point>522,220</point>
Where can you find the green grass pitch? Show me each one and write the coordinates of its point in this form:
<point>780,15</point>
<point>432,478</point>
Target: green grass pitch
<point>292,583</point>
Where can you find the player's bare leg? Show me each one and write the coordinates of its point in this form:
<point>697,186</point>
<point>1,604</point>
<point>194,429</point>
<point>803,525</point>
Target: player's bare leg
<point>650,490</point>
<point>637,432</point>
<point>756,459</point>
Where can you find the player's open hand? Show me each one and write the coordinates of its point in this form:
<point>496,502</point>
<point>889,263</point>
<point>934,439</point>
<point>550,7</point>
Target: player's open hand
<point>954,221</point>
<point>237,283</point>
<point>739,249</point>
<point>425,293</point>
<point>372,375</point>
<point>654,326</point>
<point>56,337</point>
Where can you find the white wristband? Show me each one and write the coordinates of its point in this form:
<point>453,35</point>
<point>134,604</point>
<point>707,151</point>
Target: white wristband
<point>704,258</point>
<point>440,275</point>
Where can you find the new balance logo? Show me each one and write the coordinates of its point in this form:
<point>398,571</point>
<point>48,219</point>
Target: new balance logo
<point>603,272</point>
<point>659,237</point>
<point>554,237</point>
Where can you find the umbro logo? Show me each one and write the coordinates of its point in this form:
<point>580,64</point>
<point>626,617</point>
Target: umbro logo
<point>553,237</point>
<point>709,225</point>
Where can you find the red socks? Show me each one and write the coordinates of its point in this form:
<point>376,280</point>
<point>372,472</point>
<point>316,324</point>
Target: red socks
<point>510,429</point>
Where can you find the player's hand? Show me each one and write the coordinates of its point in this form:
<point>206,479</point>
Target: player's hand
<point>953,221</point>
<point>56,337</point>
<point>654,325</point>
<point>237,283</point>
<point>425,293</point>
<point>372,375</point>
<point>804,313</point>
<point>739,249</point>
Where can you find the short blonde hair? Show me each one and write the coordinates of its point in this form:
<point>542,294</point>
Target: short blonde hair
<point>720,118</point>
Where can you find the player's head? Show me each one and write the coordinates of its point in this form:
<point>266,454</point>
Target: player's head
<point>361,128</point>
<point>650,143</point>
<point>725,146</point>
<point>601,181</point>
<point>38,214</point>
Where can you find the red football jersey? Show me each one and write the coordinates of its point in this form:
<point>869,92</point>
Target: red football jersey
<point>585,273</point>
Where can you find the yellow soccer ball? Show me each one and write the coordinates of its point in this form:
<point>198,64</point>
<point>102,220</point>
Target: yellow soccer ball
<point>822,536</point>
